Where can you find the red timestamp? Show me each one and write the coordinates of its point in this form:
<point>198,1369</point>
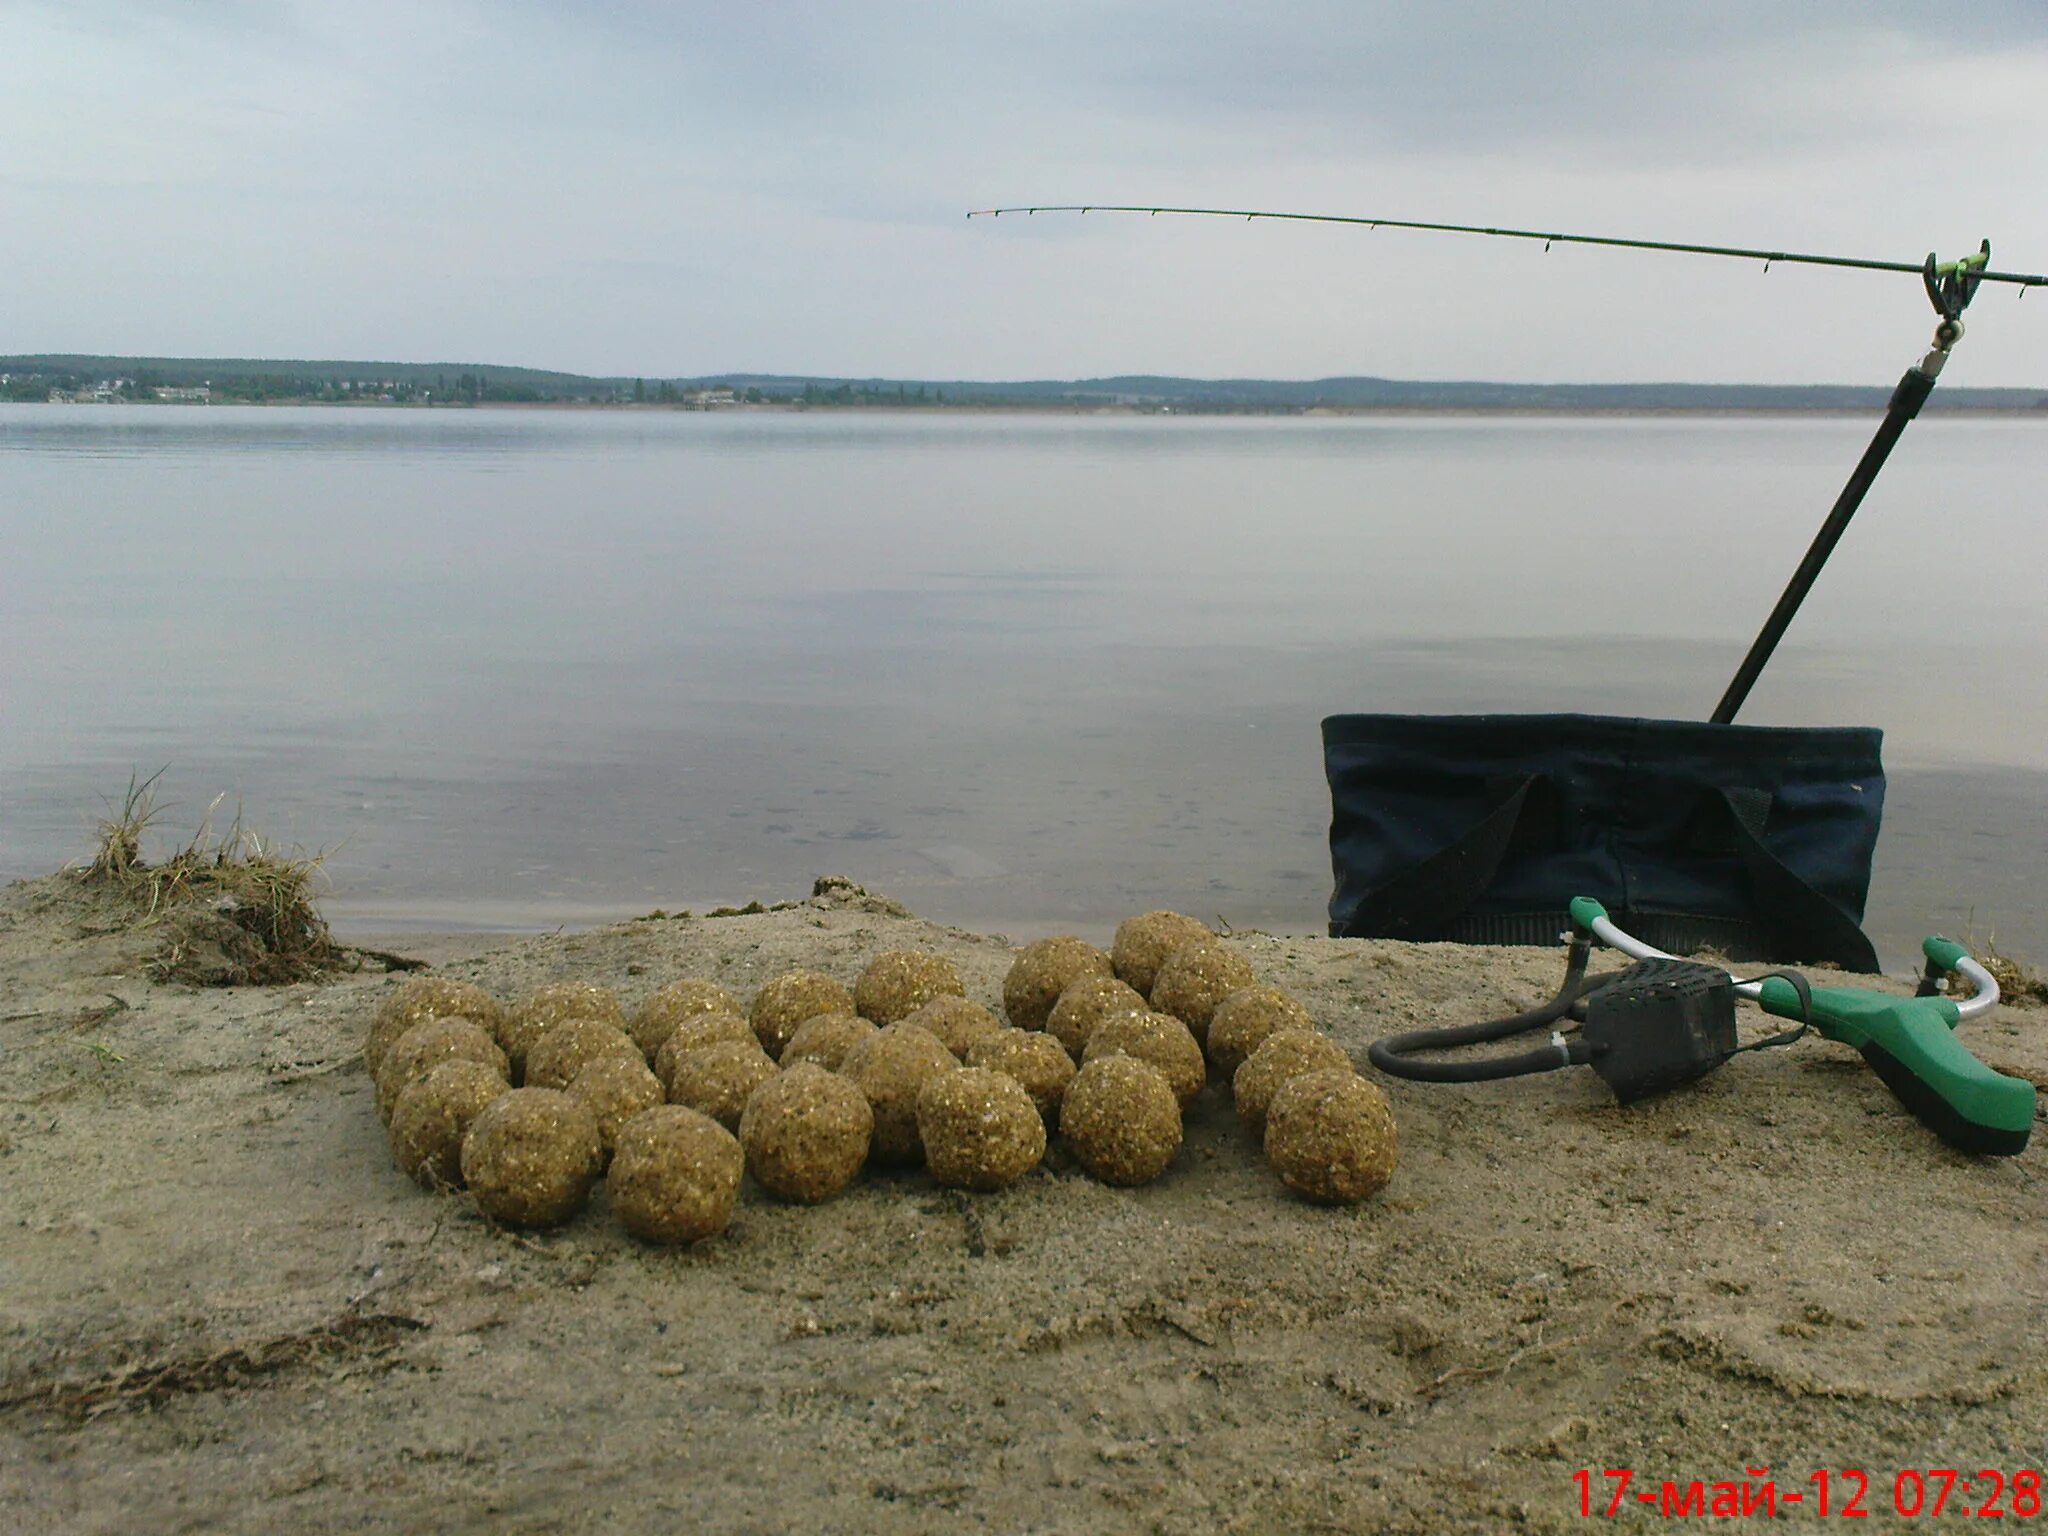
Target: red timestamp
<point>1846,1493</point>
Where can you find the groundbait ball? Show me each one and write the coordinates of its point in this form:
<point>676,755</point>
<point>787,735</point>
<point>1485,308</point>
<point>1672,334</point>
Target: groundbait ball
<point>1043,970</point>
<point>898,982</point>
<point>424,998</point>
<point>694,1034</point>
<point>658,1017</point>
<point>1161,1041</point>
<point>1039,1063</point>
<point>980,1129</point>
<point>675,1175</point>
<point>1282,1058</point>
<point>1143,942</point>
<point>1085,1004</point>
<point>825,1040</point>
<point>434,1114</point>
<point>891,1067</point>
<point>424,1047</point>
<point>719,1079</point>
<point>956,1022</point>
<point>531,1156</point>
<point>1330,1136</point>
<point>615,1088</point>
<point>556,1057</point>
<point>786,1001</point>
<point>806,1133</point>
<point>538,1012</point>
<point>1244,1019</point>
<point>1194,979</point>
<point>1121,1120</point>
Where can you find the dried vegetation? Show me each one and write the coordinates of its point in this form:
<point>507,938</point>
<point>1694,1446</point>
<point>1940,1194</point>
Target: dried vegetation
<point>234,908</point>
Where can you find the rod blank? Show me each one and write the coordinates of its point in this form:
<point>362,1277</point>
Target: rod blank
<point>1548,237</point>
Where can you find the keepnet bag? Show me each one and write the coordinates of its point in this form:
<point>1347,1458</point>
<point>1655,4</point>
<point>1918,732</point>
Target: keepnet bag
<point>1755,841</point>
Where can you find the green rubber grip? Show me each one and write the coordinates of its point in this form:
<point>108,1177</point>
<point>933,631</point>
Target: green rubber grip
<point>1585,910</point>
<point>1946,953</point>
<point>1911,1044</point>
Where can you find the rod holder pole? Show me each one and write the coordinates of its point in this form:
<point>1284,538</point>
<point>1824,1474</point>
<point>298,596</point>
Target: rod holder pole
<point>1912,392</point>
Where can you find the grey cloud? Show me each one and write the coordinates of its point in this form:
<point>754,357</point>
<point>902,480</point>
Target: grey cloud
<point>651,188</point>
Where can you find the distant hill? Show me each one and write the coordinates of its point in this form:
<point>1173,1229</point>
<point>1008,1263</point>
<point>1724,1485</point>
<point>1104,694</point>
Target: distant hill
<point>271,379</point>
<point>1365,392</point>
<point>33,376</point>
<point>195,369</point>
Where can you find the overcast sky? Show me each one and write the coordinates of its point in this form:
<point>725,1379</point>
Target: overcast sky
<point>676,189</point>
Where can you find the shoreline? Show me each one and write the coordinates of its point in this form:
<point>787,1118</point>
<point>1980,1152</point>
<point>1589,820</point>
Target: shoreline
<point>1937,408</point>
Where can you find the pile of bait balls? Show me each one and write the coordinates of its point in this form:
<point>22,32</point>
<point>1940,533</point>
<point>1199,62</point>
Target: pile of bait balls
<point>528,1106</point>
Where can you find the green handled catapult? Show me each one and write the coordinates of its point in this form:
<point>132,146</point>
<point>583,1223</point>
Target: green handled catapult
<point>1909,1041</point>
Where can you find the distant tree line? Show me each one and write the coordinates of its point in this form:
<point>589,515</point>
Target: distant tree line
<point>877,392</point>
<point>38,377</point>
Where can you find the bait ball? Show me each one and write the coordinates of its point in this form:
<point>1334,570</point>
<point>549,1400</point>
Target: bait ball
<point>1085,1004</point>
<point>675,1175</point>
<point>806,1133</point>
<point>432,1116</point>
<point>1121,1119</point>
<point>1195,978</point>
<point>556,1057</point>
<point>1143,942</point>
<point>615,1088</point>
<point>538,1012</point>
<point>1282,1058</point>
<point>719,1079</point>
<point>786,1001</point>
<point>694,1034</point>
<point>424,1047</point>
<point>1042,971</point>
<point>1330,1136</point>
<point>1244,1019</point>
<point>658,1017</point>
<point>956,1022</point>
<point>980,1129</point>
<point>898,982</point>
<point>1039,1063</point>
<point>891,1067</point>
<point>825,1040</point>
<point>530,1158</point>
<point>424,998</point>
<point>1159,1040</point>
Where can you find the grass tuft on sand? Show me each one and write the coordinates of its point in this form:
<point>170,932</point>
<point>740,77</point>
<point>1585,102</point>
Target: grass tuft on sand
<point>2017,981</point>
<point>236,909</point>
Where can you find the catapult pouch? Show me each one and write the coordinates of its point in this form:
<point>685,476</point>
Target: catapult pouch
<point>1752,840</point>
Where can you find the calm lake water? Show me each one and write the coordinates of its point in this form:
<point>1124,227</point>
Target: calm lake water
<point>529,668</point>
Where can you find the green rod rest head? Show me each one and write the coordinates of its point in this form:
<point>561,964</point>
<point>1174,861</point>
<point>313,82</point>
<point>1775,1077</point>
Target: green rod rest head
<point>1946,953</point>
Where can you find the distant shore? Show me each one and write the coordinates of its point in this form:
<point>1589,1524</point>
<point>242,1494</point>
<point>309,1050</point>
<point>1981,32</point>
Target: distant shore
<point>79,378</point>
<point>1936,407</point>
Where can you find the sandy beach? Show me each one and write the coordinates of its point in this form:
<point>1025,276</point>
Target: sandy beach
<point>222,1308</point>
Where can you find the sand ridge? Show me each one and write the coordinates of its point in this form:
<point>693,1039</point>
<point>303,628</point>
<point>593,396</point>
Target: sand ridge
<point>222,1307</point>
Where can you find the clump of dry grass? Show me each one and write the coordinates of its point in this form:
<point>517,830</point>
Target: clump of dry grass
<point>120,831</point>
<point>237,908</point>
<point>2017,981</point>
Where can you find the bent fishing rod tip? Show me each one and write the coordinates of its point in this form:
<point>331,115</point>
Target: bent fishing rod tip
<point>1971,270</point>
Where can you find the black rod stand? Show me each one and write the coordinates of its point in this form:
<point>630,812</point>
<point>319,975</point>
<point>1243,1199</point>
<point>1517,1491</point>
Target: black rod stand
<point>1905,404</point>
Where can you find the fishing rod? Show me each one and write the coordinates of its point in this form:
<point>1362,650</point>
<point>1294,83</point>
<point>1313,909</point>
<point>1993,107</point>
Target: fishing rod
<point>1977,259</point>
<point>1950,285</point>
